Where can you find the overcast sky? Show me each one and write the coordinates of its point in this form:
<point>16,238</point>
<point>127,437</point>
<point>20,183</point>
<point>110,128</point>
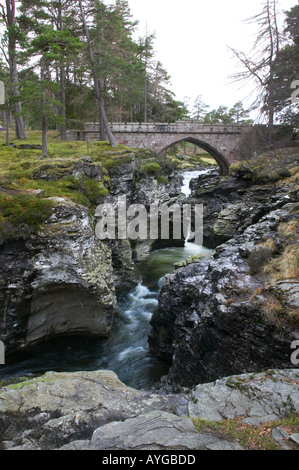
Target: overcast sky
<point>192,39</point>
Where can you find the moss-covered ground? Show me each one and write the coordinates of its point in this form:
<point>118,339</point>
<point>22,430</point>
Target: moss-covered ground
<point>27,181</point>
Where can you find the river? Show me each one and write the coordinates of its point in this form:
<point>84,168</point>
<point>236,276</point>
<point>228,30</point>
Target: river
<point>126,351</point>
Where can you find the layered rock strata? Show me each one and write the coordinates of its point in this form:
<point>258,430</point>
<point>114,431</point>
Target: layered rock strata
<point>95,411</point>
<point>57,282</point>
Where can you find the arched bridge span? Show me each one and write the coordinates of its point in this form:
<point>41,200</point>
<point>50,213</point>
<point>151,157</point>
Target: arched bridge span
<point>220,141</point>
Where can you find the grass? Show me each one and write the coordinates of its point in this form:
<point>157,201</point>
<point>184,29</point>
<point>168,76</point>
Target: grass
<point>260,255</point>
<point>269,167</point>
<point>249,437</point>
<point>21,215</point>
<point>277,263</point>
<point>285,265</point>
<point>21,169</point>
<point>26,181</point>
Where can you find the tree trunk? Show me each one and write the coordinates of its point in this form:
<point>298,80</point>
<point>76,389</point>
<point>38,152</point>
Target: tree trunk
<point>7,125</point>
<point>62,100</point>
<point>44,115</point>
<point>44,138</point>
<point>62,78</point>
<point>145,102</point>
<point>103,116</point>
<point>271,113</point>
<point>274,49</point>
<point>6,113</point>
<point>10,19</point>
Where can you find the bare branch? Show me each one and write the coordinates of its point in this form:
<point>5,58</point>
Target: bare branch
<point>3,15</point>
<point>251,67</point>
<point>4,53</point>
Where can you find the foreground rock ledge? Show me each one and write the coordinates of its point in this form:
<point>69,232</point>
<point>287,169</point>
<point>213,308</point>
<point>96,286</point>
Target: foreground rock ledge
<point>95,410</point>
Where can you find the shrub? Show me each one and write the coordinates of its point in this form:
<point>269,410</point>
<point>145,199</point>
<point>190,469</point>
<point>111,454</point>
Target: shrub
<point>260,255</point>
<point>268,167</point>
<point>151,168</point>
<point>22,215</point>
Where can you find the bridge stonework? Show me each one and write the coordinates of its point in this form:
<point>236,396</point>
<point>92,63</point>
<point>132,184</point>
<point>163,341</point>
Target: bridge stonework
<point>219,140</point>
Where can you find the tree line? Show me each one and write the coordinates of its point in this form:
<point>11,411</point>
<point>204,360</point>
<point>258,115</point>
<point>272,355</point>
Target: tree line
<point>65,62</point>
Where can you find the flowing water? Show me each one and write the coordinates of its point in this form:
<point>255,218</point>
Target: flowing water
<point>187,177</point>
<point>126,351</point>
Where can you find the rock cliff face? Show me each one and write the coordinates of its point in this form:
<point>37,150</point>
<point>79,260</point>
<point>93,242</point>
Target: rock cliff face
<point>233,204</point>
<point>57,282</point>
<point>145,190</point>
<point>226,316</point>
<point>63,280</point>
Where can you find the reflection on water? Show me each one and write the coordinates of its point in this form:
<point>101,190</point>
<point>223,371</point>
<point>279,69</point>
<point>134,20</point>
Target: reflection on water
<point>162,262</point>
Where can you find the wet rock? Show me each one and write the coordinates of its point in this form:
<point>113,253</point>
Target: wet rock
<point>124,270</point>
<point>232,204</point>
<point>234,216</point>
<point>290,287</point>
<point>210,324</point>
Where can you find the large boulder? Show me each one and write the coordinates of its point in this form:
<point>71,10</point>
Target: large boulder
<point>58,408</point>
<point>96,411</point>
<point>257,398</point>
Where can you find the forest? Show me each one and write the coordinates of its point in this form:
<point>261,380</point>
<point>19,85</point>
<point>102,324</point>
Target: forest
<point>67,62</point>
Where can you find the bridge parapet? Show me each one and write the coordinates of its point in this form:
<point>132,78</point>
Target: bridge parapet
<point>180,127</point>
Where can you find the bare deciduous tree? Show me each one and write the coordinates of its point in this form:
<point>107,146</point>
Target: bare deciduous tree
<point>258,65</point>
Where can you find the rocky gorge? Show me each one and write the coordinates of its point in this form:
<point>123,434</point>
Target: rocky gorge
<point>223,324</point>
<point>229,316</point>
<point>63,279</point>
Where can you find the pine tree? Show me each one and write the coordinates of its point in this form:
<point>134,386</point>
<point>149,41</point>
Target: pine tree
<point>61,16</point>
<point>8,15</point>
<point>239,115</point>
<point>286,72</point>
<point>51,46</point>
<point>199,109</point>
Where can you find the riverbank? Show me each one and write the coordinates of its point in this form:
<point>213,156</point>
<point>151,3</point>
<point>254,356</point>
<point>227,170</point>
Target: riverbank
<point>213,319</point>
<point>96,411</point>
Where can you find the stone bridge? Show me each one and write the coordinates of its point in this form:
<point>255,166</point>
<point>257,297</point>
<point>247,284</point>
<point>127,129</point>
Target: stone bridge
<point>219,140</point>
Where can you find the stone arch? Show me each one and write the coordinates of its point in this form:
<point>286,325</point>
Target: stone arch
<point>218,156</point>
